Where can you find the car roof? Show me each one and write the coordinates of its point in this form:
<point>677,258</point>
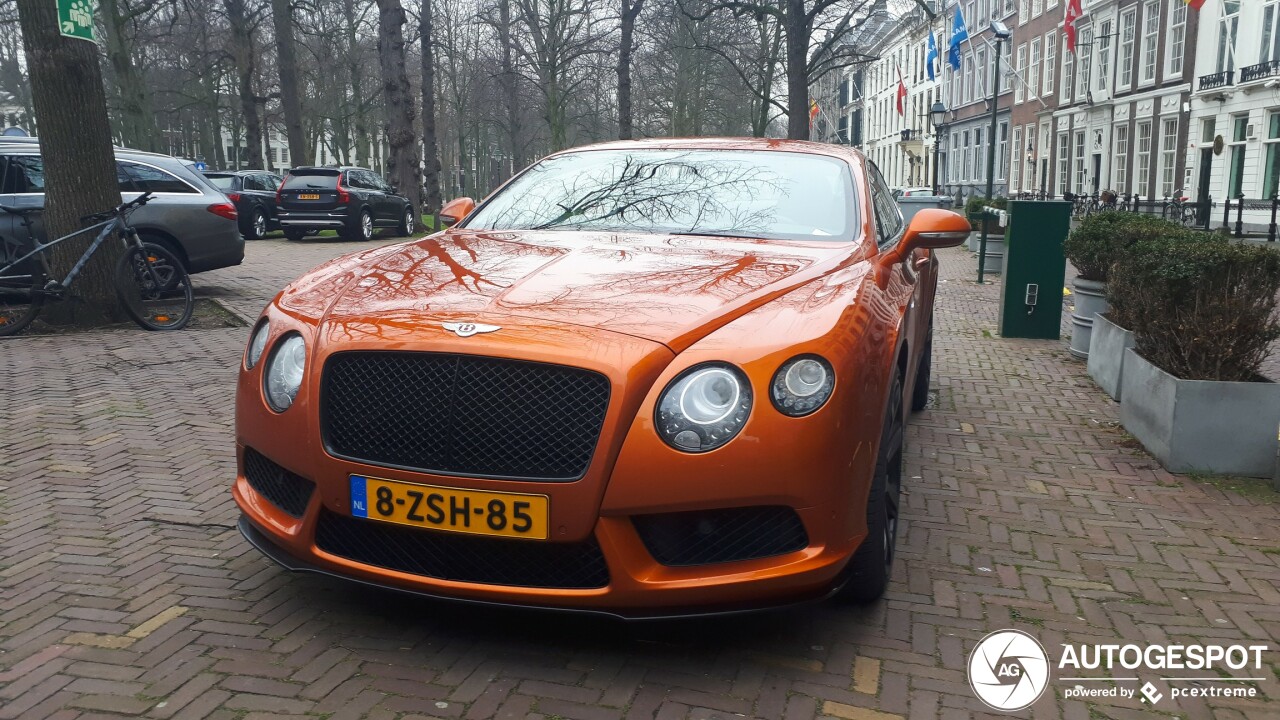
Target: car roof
<point>725,143</point>
<point>328,168</point>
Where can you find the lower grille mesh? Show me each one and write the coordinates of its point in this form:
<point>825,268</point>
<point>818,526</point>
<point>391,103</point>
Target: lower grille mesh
<point>464,558</point>
<point>285,490</point>
<point>714,536</point>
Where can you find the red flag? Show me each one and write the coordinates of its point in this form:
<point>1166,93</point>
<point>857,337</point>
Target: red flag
<point>1195,4</point>
<point>902,92</point>
<point>1069,23</point>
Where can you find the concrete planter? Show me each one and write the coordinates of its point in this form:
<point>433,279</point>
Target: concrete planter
<point>1090,300</point>
<point>1106,354</point>
<point>1199,425</point>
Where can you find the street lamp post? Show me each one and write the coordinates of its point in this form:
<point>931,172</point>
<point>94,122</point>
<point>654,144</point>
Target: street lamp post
<point>1002,34</point>
<point>937,115</point>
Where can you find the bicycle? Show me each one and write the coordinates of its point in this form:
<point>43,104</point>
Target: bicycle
<point>150,282</point>
<point>1180,210</point>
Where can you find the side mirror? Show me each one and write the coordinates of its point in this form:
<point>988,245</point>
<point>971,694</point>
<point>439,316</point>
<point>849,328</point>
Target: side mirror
<point>931,228</point>
<point>455,210</point>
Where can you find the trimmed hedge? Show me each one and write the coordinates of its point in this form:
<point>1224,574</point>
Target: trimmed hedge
<point>1098,241</point>
<point>1200,309</point>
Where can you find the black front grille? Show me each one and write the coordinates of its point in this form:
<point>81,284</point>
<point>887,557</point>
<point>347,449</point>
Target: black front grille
<point>285,490</point>
<point>463,414</point>
<point>463,558</point>
<point>714,536</point>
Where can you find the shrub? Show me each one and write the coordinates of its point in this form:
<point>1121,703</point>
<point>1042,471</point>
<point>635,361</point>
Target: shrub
<point>975,203</point>
<point>1098,241</point>
<point>1201,309</point>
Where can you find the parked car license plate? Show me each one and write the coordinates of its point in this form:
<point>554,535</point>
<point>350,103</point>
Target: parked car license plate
<point>450,509</point>
<point>308,196</point>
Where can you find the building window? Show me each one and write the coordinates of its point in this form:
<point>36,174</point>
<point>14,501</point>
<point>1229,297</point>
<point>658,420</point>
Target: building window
<point>1271,181</point>
<point>1104,55</point>
<point>1002,152</point>
<point>1064,158</point>
<point>1128,26</point>
<point>1271,32</point>
<point>1029,173</point>
<point>1177,41</point>
<point>1168,156</point>
<point>1015,169</point>
<point>1084,65</point>
<point>1227,28</point>
<point>1150,40</point>
<point>1068,66</point>
<point>1023,7</point>
<point>1142,180</point>
<point>284,156</point>
<point>979,155</point>
<point>980,77</point>
<point>1082,182</point>
<point>1120,141</point>
<point>1033,70</point>
<point>1050,48</point>
<point>1239,131</point>
<point>1020,67</point>
<point>967,173</point>
<point>1037,8</point>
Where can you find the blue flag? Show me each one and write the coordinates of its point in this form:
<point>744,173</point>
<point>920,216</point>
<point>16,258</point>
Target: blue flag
<point>931,57</point>
<point>959,33</point>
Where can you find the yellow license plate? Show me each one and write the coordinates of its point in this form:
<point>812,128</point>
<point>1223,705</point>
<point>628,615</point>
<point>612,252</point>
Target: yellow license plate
<point>309,196</point>
<point>451,509</point>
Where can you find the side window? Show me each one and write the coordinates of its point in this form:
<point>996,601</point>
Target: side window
<point>24,174</point>
<point>351,178</point>
<point>889,223</point>
<point>371,181</point>
<point>254,182</point>
<point>124,179</point>
<point>156,180</point>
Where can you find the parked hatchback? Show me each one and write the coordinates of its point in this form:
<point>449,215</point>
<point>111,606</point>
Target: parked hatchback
<point>254,194</point>
<point>351,200</point>
<point>186,214</point>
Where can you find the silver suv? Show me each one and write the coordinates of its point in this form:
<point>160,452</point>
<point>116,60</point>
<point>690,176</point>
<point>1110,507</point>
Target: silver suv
<point>186,214</point>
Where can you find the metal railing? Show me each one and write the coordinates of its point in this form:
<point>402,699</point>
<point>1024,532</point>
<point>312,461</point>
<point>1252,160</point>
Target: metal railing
<point>1259,71</point>
<point>1217,80</point>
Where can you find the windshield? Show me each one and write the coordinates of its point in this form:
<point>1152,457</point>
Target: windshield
<point>326,181</point>
<point>741,193</point>
<point>222,182</point>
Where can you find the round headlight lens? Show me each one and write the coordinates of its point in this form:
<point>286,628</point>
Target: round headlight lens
<point>257,343</point>
<point>802,385</point>
<point>704,407</point>
<point>284,371</point>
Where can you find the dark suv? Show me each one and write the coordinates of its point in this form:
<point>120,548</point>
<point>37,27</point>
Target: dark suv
<point>351,200</point>
<point>254,195</point>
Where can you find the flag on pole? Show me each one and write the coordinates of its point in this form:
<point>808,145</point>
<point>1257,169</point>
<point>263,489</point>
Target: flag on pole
<point>902,94</point>
<point>959,33</point>
<point>1195,4</point>
<point>1069,19</point>
<point>931,57</point>
<point>813,111</point>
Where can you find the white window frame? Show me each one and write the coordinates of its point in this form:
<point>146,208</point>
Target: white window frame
<point>1084,65</point>
<point>1023,10</point>
<point>1033,70</point>
<point>1128,46</point>
<point>1064,162</point>
<point>1015,166</point>
<point>1270,47</point>
<point>1020,65</point>
<point>1271,153</point>
<point>1068,72</point>
<point>1037,8</point>
<point>1228,37</point>
<point>1176,52</point>
<point>1168,156</point>
<point>1142,169</point>
<point>1120,156</point>
<point>1104,55</point>
<point>1080,142</point>
<point>1002,152</point>
<point>1050,51</point>
<point>1150,43</point>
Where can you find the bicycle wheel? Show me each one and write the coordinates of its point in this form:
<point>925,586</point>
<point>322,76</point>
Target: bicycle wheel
<point>21,293</point>
<point>154,288</point>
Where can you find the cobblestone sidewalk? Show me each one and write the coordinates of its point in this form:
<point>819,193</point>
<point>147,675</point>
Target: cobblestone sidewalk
<point>126,591</point>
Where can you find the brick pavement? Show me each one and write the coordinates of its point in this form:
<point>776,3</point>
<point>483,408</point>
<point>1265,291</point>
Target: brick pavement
<point>125,590</point>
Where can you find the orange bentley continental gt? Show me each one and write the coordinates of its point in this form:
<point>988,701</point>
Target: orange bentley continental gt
<point>646,379</point>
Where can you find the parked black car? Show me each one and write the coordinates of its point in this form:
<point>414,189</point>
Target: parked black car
<point>351,200</point>
<point>254,195</point>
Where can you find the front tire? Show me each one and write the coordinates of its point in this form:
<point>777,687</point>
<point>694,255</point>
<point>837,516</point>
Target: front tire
<point>872,563</point>
<point>406,222</point>
<point>363,228</point>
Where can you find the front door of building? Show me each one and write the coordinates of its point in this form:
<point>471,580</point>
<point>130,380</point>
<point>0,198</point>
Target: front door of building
<point>1097,173</point>
<point>1206,171</point>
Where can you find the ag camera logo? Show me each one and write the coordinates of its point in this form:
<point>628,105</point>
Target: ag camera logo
<point>1008,670</point>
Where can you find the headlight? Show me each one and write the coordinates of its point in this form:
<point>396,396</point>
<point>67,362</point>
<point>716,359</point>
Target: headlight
<point>257,343</point>
<point>802,385</point>
<point>284,371</point>
<point>704,407</point>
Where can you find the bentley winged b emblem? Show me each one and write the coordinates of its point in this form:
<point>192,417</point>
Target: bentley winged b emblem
<point>467,329</point>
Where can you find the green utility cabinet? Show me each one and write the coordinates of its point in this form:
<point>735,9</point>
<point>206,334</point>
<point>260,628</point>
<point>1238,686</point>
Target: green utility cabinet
<point>1034,269</point>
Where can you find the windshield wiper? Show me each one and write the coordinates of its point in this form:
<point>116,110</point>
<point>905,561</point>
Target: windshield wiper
<point>723,234</point>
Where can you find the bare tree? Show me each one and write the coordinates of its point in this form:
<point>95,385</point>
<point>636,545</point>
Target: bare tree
<point>403,166</point>
<point>432,199</point>
<point>287,63</point>
<point>120,18</point>
<point>558,35</point>
<point>627,20</point>
<point>244,20</point>
<point>79,163</point>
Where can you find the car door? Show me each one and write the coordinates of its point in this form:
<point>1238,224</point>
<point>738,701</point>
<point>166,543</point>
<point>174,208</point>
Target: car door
<point>255,186</point>
<point>270,183</point>
<point>903,287</point>
<point>378,199</point>
<point>23,188</point>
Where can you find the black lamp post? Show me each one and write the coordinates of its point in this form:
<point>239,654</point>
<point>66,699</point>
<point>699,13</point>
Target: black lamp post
<point>937,115</point>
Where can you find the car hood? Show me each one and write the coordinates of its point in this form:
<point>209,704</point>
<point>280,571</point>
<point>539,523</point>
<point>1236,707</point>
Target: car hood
<point>668,289</point>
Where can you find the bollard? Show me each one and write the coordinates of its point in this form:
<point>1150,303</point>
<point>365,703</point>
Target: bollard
<point>1226,214</point>
<point>1275,204</point>
<point>1240,216</point>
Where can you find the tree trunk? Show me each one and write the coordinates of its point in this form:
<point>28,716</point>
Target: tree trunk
<point>403,168</point>
<point>797,32</point>
<point>287,60</point>
<point>430,145</point>
<point>630,9</point>
<point>243,55</point>
<point>79,163</point>
<point>510,89</point>
<point>137,123</point>
<point>357,110</point>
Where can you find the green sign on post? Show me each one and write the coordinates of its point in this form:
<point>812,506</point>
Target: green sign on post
<point>75,19</point>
